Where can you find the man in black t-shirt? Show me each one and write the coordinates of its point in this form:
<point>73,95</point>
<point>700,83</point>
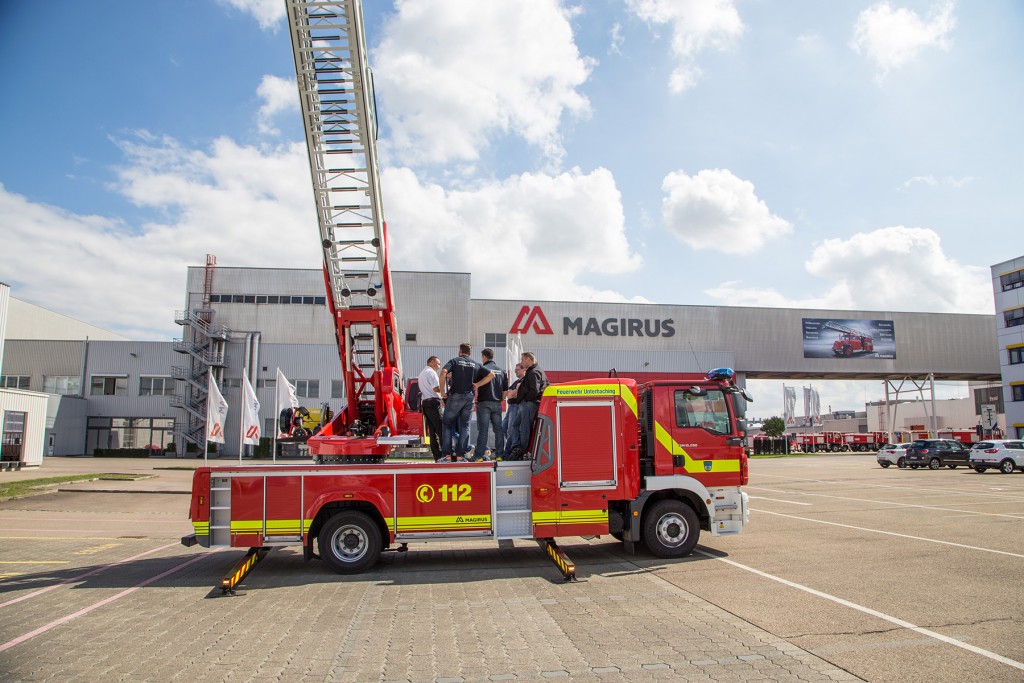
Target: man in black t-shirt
<point>459,379</point>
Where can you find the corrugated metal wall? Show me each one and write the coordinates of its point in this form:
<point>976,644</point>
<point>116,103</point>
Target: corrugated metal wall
<point>43,358</point>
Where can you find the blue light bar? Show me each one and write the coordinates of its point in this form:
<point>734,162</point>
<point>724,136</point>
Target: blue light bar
<point>721,373</point>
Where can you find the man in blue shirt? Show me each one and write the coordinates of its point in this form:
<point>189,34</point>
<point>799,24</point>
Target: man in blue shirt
<point>459,379</point>
<point>488,407</point>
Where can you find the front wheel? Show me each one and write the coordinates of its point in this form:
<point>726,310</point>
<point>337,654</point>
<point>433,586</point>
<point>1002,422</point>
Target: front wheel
<point>1006,466</point>
<point>350,542</point>
<point>671,529</point>
<point>885,464</point>
<point>901,463</point>
<point>934,464</point>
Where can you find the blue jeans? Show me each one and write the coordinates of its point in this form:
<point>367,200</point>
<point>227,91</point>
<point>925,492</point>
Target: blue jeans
<point>488,413</point>
<point>511,426</point>
<point>455,426</point>
<point>527,414</point>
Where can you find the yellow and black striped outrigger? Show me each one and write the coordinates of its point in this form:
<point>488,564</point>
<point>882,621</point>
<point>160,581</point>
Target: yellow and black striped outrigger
<point>561,560</point>
<point>241,569</point>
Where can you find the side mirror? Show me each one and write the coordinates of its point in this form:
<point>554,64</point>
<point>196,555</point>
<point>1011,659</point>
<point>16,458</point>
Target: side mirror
<point>741,427</point>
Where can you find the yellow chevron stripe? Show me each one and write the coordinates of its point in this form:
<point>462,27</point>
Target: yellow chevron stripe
<point>691,465</point>
<point>593,390</point>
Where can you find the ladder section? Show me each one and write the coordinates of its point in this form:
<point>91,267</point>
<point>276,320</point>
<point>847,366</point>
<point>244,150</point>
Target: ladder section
<point>512,510</point>
<point>220,511</point>
<point>336,94</point>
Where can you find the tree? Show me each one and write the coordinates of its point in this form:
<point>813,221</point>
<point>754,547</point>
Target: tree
<point>773,426</point>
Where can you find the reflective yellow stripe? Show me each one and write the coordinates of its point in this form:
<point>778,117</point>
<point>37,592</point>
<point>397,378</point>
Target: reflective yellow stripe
<point>571,517</point>
<point>593,391</point>
<point>274,526</point>
<point>443,522</point>
<point>201,528</point>
<point>691,465</point>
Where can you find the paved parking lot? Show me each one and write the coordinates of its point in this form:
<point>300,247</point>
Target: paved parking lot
<point>847,572</point>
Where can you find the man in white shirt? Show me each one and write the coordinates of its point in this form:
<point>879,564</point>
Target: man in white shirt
<point>430,404</point>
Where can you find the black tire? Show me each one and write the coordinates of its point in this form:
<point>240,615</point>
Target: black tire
<point>934,464</point>
<point>980,470</point>
<point>885,464</point>
<point>847,351</point>
<point>901,463</point>
<point>671,529</point>
<point>350,542</point>
<point>1006,466</point>
<point>617,535</point>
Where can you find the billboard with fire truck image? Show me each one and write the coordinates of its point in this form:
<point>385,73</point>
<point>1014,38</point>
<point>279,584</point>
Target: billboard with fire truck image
<point>846,339</point>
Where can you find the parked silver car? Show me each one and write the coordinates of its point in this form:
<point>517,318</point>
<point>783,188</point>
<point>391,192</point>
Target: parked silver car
<point>1005,455</point>
<point>892,454</point>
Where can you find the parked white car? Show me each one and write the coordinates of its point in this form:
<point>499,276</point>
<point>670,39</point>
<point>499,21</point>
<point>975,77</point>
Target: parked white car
<point>1006,456</point>
<point>892,454</point>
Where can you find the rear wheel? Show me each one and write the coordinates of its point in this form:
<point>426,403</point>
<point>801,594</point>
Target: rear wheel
<point>901,463</point>
<point>350,542</point>
<point>934,463</point>
<point>1006,466</point>
<point>671,529</point>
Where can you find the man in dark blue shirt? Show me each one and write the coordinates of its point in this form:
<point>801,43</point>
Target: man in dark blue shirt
<point>459,379</point>
<point>488,407</point>
<point>529,393</point>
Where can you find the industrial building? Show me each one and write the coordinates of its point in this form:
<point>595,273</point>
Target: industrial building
<point>1008,289</point>
<point>117,393</point>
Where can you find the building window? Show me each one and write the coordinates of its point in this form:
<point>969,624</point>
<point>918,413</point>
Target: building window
<point>1017,392</point>
<point>410,337</point>
<point>265,383</point>
<point>1014,317</point>
<point>65,385</point>
<point>307,388</point>
<point>1016,355</point>
<point>1012,280</point>
<point>337,388</point>
<point>13,436</point>
<point>156,386</point>
<point>231,383</point>
<point>152,433</point>
<point>495,340</point>
<point>14,381</point>
<point>109,386</point>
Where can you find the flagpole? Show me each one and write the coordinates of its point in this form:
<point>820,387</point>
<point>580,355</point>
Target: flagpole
<point>206,431</point>
<point>241,421</point>
<point>277,412</point>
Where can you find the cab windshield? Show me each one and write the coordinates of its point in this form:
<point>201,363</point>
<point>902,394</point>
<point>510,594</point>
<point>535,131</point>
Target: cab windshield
<point>708,411</point>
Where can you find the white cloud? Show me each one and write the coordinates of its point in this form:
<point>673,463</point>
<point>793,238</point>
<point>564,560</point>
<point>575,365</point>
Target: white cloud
<point>451,75</point>
<point>278,95</point>
<point>530,236</point>
<point>697,25</point>
<point>267,12</point>
<point>931,181</point>
<point>716,210</point>
<point>250,207</point>
<point>890,269</point>
<point>893,37</point>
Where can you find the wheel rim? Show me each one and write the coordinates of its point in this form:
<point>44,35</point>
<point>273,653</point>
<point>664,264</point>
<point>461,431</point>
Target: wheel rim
<point>935,464</point>
<point>673,530</point>
<point>349,543</point>
<point>1007,467</point>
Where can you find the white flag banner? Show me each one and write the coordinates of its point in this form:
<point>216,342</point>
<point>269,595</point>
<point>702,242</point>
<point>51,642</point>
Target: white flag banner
<point>286,397</point>
<point>815,407</point>
<point>513,351</point>
<point>807,406</point>
<point>216,412</point>
<point>250,414</point>
<point>789,405</point>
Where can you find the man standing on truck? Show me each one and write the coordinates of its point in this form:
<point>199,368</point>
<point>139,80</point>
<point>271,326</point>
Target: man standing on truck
<point>488,407</point>
<point>430,404</point>
<point>535,381</point>
<point>460,377</point>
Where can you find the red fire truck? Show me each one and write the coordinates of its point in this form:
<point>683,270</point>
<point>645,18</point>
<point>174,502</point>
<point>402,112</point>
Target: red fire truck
<point>867,441</point>
<point>820,442</point>
<point>607,456</point>
<point>652,463</point>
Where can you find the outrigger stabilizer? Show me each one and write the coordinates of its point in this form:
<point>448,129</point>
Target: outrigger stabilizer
<point>241,570</point>
<point>558,556</point>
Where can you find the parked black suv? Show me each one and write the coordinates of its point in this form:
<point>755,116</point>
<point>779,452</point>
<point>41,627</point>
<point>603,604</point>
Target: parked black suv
<point>934,453</point>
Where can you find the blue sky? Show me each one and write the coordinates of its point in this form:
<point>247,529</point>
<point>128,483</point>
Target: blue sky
<point>855,155</point>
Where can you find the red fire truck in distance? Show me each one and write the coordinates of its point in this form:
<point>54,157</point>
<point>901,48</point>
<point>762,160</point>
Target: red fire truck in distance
<point>652,463</point>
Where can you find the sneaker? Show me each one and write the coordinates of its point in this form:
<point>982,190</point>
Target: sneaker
<point>460,459</point>
<point>446,458</point>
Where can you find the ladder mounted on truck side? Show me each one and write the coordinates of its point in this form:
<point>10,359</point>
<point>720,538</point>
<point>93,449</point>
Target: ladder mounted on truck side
<point>336,96</point>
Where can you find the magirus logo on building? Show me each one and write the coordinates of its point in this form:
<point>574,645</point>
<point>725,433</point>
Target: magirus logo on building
<point>532,319</point>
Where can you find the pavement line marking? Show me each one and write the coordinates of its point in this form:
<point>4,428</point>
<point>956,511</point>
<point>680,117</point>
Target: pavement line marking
<point>888,533</point>
<point>762,488</point>
<point>82,576</point>
<point>875,613</point>
<point>984,494</point>
<point>911,505</point>
<point>39,562</point>
<point>777,500</point>
<point>69,538</point>
<point>106,601</point>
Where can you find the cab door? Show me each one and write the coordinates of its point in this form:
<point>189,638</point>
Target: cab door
<point>701,429</point>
